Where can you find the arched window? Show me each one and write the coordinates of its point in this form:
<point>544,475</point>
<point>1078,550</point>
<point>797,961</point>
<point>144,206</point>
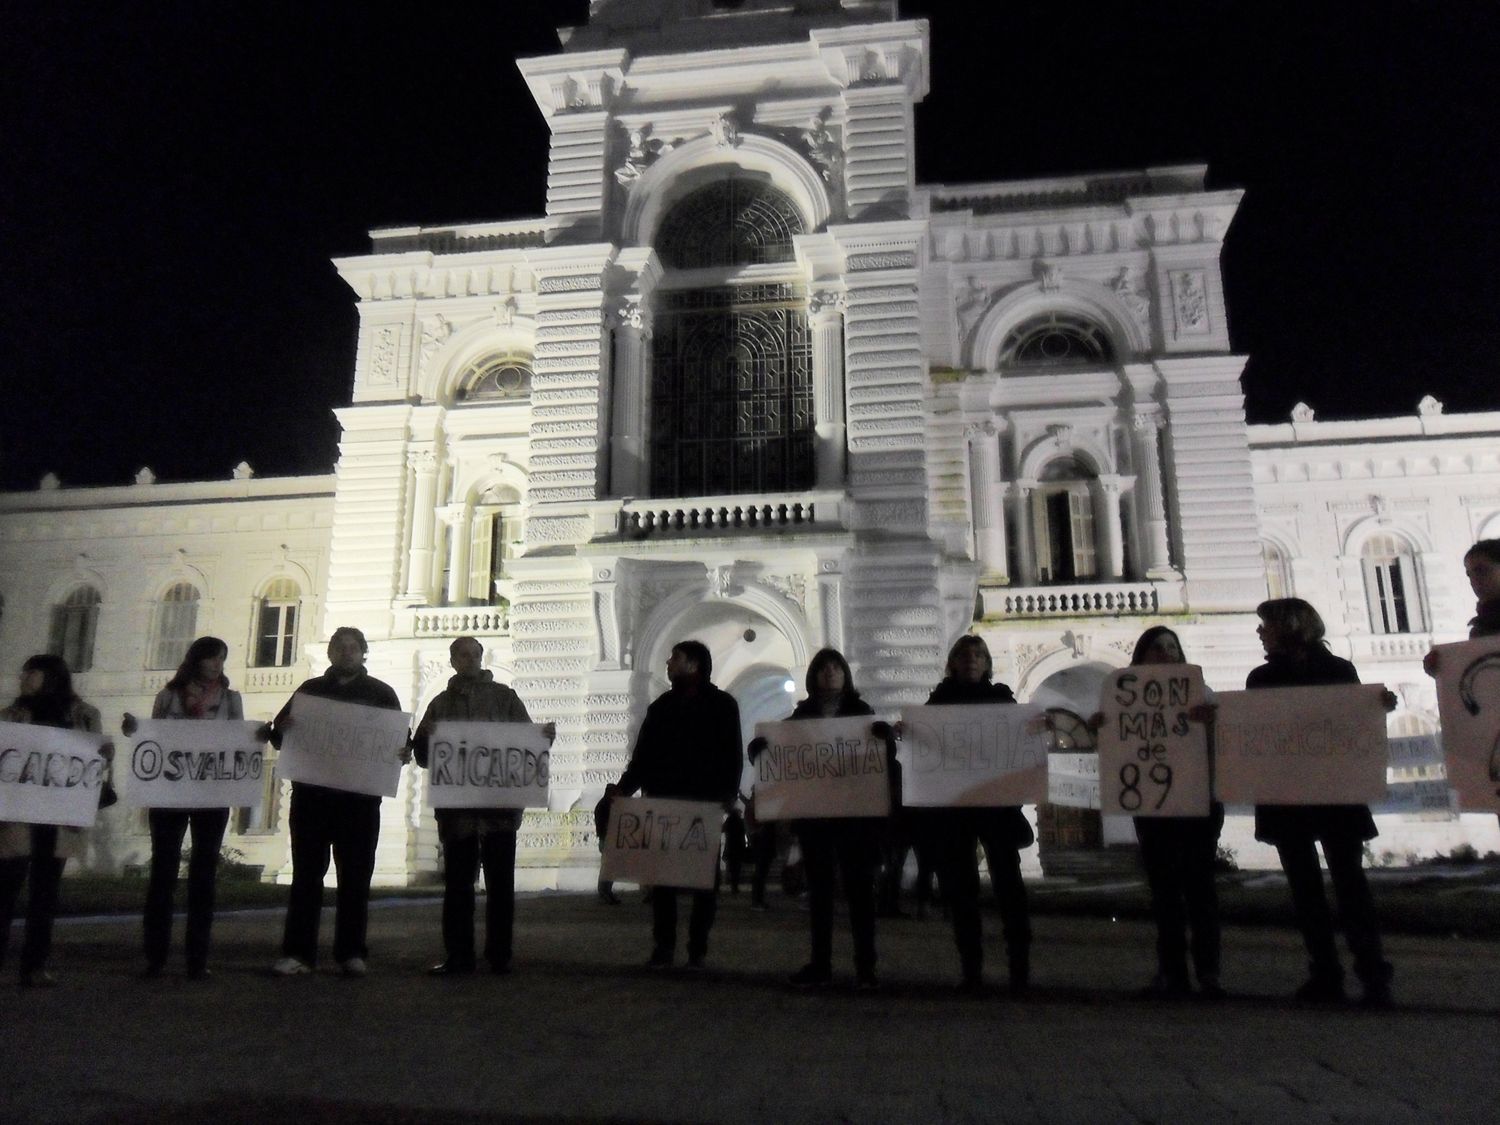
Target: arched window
<point>173,626</point>
<point>496,378</point>
<point>1062,522</point>
<point>1391,589</point>
<point>276,624</point>
<point>75,623</point>
<point>1056,339</point>
<point>731,381</point>
<point>1278,570</point>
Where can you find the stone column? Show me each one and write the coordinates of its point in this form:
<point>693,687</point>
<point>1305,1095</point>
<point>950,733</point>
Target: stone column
<point>830,603</point>
<point>628,444</point>
<point>1111,542</point>
<point>1020,498</point>
<point>826,319</point>
<point>458,555</point>
<point>985,497</point>
<point>1150,503</point>
<point>423,465</point>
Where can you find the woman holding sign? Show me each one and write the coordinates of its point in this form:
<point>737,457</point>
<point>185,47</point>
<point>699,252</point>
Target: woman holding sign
<point>1291,632</point>
<point>46,699</point>
<point>199,690</point>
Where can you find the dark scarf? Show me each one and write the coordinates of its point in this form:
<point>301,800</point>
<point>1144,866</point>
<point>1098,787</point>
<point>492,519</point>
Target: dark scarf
<point>1486,622</point>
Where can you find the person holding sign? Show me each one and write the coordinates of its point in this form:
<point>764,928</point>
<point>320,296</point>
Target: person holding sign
<point>1178,855</point>
<point>324,820</point>
<point>688,747</point>
<point>199,690</point>
<point>474,838</point>
<point>849,842</point>
<point>1291,632</point>
<point>1003,832</point>
<point>41,850</point>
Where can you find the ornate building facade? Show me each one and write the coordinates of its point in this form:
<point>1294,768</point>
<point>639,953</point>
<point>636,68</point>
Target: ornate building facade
<point>747,380</point>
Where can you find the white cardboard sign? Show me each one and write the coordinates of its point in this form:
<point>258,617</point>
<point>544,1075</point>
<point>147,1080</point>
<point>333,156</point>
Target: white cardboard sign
<point>187,764</point>
<point>488,766</point>
<point>983,756</point>
<point>1153,760</point>
<point>663,843</point>
<point>344,746</point>
<point>821,768</point>
<point>1301,745</point>
<point>1073,780</point>
<point>50,776</point>
<point>1468,687</point>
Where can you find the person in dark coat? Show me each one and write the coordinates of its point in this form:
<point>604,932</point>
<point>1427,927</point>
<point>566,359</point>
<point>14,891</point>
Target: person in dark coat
<point>1003,832</point>
<point>1291,632</point>
<point>1482,565</point>
<point>848,843</point>
<point>1178,855</point>
<point>688,748</point>
<point>324,820</point>
<point>199,690</point>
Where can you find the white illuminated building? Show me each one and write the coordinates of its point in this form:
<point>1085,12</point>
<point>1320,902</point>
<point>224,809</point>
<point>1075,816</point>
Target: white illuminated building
<point>748,381</point>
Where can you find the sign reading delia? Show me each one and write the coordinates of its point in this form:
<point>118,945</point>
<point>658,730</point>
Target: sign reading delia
<point>488,766</point>
<point>821,768</point>
<point>662,843</point>
<point>344,746</point>
<point>49,776</point>
<point>988,756</point>
<point>182,764</point>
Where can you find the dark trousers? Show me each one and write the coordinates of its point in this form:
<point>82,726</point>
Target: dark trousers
<point>850,847</point>
<point>45,869</point>
<point>958,873</point>
<point>700,921</point>
<point>348,824</point>
<point>762,847</point>
<point>168,826</point>
<point>462,859</point>
<point>735,849</point>
<point>1178,854</point>
<point>1345,856</point>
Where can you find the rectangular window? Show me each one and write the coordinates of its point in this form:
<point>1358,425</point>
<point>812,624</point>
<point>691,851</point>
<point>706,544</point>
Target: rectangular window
<point>72,635</point>
<point>276,634</point>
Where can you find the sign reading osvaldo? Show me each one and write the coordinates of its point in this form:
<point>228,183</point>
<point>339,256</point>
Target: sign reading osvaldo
<point>1153,760</point>
<point>821,768</point>
<point>1468,688</point>
<point>488,766</point>
<point>1301,745</point>
<point>177,764</point>
<point>344,746</point>
<point>662,843</point>
<point>49,776</point>
<point>1073,780</point>
<point>987,756</point>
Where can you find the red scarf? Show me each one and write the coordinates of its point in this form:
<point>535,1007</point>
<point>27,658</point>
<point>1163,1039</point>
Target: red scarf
<point>199,700</point>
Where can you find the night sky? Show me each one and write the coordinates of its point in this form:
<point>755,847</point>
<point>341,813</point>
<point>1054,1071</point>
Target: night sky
<point>176,177</point>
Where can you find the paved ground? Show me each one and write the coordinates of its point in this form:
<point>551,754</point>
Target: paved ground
<point>580,1033</point>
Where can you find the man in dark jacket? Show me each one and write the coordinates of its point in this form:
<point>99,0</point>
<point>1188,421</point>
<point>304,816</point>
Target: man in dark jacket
<point>688,748</point>
<point>324,820</point>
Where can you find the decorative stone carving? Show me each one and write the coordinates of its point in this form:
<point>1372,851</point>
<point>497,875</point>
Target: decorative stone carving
<point>970,303</point>
<point>385,348</point>
<point>892,261</point>
<point>50,483</point>
<point>1049,275</point>
<point>720,580</point>
<point>505,312</point>
<point>1061,433</point>
<point>1429,407</point>
<point>1302,413</point>
<point>557,529</point>
<point>243,471</point>
<point>570,283</point>
<point>792,587</point>
<point>725,131</point>
<point>145,476</point>
<point>1190,301</point>
<point>828,301</point>
<point>825,150</point>
<point>641,152</point>
<point>1136,300</point>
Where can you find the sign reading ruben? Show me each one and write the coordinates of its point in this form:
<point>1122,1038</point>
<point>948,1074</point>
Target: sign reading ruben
<point>1153,760</point>
<point>488,766</point>
<point>179,764</point>
<point>662,843</point>
<point>49,776</point>
<point>821,768</point>
<point>344,746</point>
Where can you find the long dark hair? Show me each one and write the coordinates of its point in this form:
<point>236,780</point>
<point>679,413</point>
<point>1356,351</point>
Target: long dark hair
<point>1298,619</point>
<point>49,707</point>
<point>821,659</point>
<point>1149,638</point>
<point>204,648</point>
<point>1488,549</point>
<point>969,640</point>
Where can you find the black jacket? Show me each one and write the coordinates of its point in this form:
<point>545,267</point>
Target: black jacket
<point>1486,622</point>
<point>852,706</point>
<point>688,747</point>
<point>1276,824</point>
<point>1006,824</point>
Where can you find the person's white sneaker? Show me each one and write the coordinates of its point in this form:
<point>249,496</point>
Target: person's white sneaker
<point>354,967</point>
<point>290,967</point>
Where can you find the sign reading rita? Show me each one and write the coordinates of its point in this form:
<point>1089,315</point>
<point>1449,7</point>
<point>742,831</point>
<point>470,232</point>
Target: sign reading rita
<point>663,843</point>
<point>488,766</point>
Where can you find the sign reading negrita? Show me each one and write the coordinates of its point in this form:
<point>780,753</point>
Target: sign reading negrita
<point>1469,704</point>
<point>1153,759</point>
<point>344,746</point>
<point>49,776</point>
<point>988,756</point>
<point>821,768</point>
<point>488,766</point>
<point>180,764</point>
<point>663,843</point>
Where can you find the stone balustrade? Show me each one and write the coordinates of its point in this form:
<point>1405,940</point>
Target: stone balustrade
<point>1113,599</point>
<point>1392,646</point>
<point>726,515</point>
<point>452,621</point>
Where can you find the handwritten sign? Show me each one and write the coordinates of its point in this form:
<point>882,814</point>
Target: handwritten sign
<point>184,764</point>
<point>1468,689</point>
<point>1073,780</point>
<point>1427,796</point>
<point>1412,750</point>
<point>344,745</point>
<point>663,843</point>
<point>1153,760</point>
<point>821,768</point>
<point>1301,745</point>
<point>986,756</point>
<point>49,776</point>
<point>488,766</point>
